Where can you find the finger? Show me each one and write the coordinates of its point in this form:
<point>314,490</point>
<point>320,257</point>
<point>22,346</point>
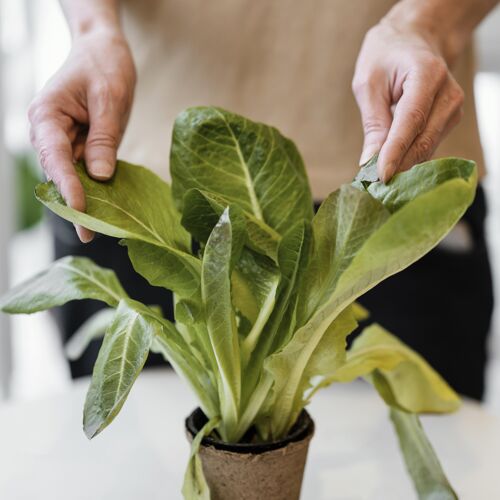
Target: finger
<point>424,148</point>
<point>445,115</point>
<point>106,115</point>
<point>79,144</point>
<point>78,150</point>
<point>375,107</point>
<point>410,117</point>
<point>55,153</point>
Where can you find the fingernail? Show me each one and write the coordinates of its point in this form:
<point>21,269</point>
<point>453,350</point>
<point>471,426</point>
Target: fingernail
<point>388,171</point>
<point>367,155</point>
<point>84,234</point>
<point>100,169</point>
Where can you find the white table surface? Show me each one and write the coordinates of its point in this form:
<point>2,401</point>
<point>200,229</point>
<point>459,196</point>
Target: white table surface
<point>44,454</point>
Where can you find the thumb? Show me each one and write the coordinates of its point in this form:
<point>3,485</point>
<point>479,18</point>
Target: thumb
<point>103,138</point>
<point>376,118</point>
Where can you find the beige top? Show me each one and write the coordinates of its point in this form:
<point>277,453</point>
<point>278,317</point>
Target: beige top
<point>288,63</point>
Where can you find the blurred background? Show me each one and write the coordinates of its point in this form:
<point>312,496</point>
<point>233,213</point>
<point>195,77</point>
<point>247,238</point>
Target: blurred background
<point>34,41</point>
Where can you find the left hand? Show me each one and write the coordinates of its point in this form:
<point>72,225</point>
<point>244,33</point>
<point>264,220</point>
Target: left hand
<point>409,100</point>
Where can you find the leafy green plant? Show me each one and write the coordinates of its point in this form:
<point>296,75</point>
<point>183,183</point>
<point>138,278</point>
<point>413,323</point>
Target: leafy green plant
<point>26,176</point>
<point>263,310</point>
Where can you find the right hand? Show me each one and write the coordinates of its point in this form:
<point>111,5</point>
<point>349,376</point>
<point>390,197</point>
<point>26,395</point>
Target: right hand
<point>82,112</point>
<point>408,98</point>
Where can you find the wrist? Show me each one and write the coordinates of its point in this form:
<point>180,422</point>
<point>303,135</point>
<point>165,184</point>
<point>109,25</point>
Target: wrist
<point>83,28</point>
<point>433,21</point>
<point>89,17</point>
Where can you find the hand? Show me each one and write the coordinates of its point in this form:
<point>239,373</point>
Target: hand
<point>82,112</point>
<point>408,99</point>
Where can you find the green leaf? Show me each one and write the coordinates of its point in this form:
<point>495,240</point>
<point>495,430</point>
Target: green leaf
<point>166,267</point>
<point>195,486</point>
<point>238,233</point>
<point>368,173</point>
<point>120,360</point>
<point>135,204</point>
<point>406,236</point>
<point>255,282</point>
<point>93,328</point>
<point>187,312</point>
<point>181,273</point>
<point>329,355</point>
<point>246,163</point>
<point>325,360</point>
<point>360,312</point>
<point>342,225</point>
<point>145,216</point>
<point>292,261</point>
<point>421,179</point>
<point>422,463</point>
<point>403,378</point>
<point>345,220</point>
<point>201,212</point>
<point>183,357</point>
<point>387,248</point>
<point>293,255</point>
<point>220,319</point>
<point>69,278</point>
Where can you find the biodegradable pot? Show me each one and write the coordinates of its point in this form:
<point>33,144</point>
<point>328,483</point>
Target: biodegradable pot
<point>250,471</point>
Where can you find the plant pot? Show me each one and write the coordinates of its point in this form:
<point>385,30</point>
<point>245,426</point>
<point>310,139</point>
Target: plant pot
<point>254,471</point>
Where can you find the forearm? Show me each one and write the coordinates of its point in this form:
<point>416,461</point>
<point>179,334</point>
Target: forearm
<point>448,24</point>
<point>85,16</point>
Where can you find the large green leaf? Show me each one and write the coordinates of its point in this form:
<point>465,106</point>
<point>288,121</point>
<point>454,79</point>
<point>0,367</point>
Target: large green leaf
<point>121,358</point>
<point>135,204</point>
<point>135,330</point>
<point>402,377</point>
<point>345,220</point>
<point>69,278</point>
<point>247,163</point>
<point>421,461</point>
<point>221,320</point>
<point>403,238</point>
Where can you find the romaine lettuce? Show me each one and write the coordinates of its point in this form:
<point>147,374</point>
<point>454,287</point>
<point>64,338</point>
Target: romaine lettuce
<point>264,308</point>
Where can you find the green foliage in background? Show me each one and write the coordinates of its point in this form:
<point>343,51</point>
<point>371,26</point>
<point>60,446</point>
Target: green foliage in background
<point>26,175</point>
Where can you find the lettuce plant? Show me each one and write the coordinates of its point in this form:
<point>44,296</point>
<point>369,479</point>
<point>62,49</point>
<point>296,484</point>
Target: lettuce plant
<point>263,309</point>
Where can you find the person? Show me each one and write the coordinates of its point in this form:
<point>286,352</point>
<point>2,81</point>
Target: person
<point>290,64</point>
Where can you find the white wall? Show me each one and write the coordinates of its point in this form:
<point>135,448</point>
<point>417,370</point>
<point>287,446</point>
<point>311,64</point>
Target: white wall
<point>488,38</point>
<point>5,232</point>
<point>488,106</point>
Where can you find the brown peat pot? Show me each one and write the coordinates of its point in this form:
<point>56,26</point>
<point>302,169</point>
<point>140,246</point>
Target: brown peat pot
<point>254,471</point>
